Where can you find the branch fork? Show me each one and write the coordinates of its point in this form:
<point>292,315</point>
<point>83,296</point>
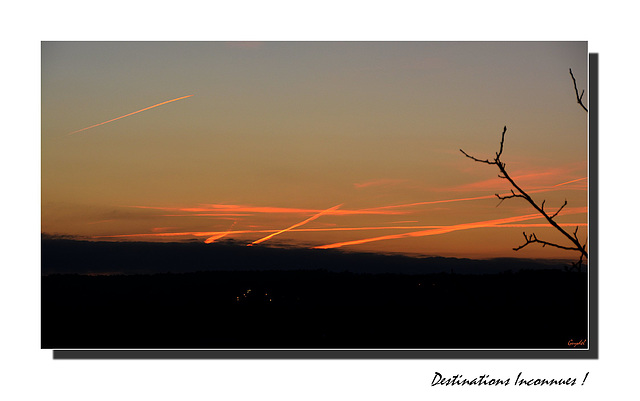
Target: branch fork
<point>520,193</point>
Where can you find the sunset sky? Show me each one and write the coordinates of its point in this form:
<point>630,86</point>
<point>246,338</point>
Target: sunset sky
<point>350,145</point>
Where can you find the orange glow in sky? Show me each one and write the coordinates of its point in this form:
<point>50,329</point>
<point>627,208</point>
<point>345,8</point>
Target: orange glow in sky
<point>214,236</point>
<point>425,230</point>
<point>281,130</point>
<point>443,230</point>
<point>224,210</point>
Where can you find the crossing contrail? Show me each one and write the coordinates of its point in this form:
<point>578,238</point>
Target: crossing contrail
<point>217,236</point>
<point>569,182</point>
<point>130,114</point>
<point>315,216</point>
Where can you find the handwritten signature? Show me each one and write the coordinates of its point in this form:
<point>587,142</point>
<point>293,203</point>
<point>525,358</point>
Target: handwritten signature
<point>571,343</point>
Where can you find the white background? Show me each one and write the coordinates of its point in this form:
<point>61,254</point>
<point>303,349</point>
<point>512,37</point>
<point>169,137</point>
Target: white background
<point>30,373</point>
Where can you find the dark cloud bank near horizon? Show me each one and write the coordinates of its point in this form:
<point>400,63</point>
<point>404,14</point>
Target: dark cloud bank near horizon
<point>74,256</point>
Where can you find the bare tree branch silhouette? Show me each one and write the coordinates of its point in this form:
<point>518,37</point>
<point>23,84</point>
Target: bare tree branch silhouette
<point>578,97</point>
<point>520,193</point>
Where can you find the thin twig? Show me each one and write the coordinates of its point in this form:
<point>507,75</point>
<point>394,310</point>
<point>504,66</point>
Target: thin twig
<point>578,97</point>
<point>501,143</point>
<point>513,195</point>
<point>478,160</point>
<point>532,239</point>
<point>561,207</point>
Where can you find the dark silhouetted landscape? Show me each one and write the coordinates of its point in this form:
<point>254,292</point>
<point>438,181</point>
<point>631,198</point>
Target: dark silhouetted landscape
<point>227,295</point>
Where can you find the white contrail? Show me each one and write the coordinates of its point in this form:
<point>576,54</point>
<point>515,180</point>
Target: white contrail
<point>130,114</point>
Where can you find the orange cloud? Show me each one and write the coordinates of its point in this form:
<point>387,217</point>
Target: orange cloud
<point>430,202</point>
<point>215,235</point>
<point>548,189</point>
<point>130,114</point>
<point>296,225</point>
<point>167,234</point>
<point>208,215</point>
<point>220,234</point>
<point>444,230</point>
<point>235,210</point>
